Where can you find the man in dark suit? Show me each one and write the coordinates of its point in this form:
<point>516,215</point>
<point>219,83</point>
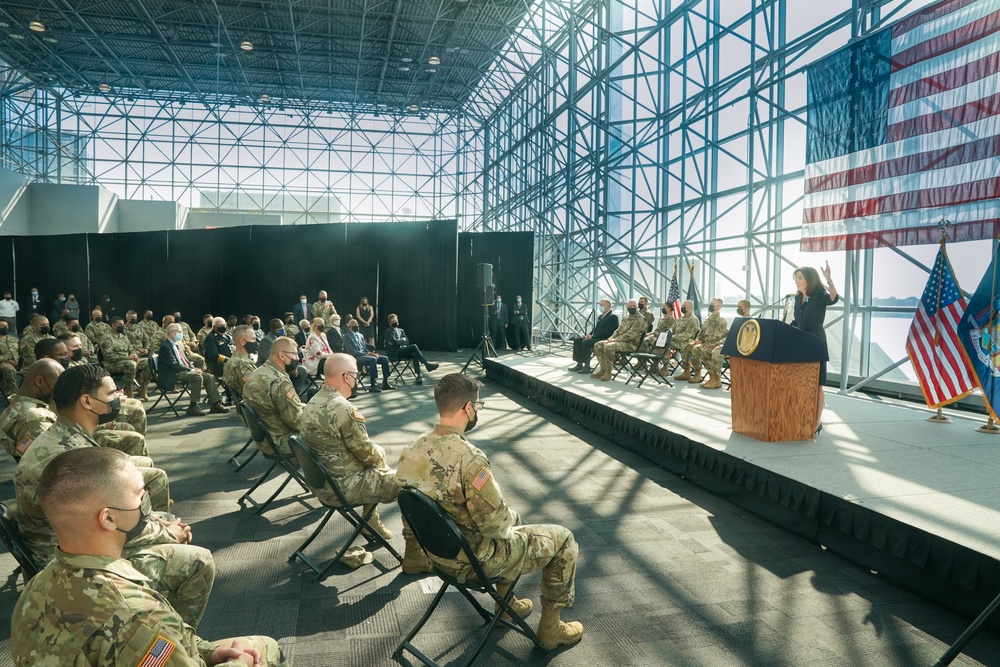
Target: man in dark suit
<point>335,335</point>
<point>173,366</point>
<point>36,303</point>
<point>519,328</point>
<point>398,346</point>
<point>583,347</point>
<point>366,356</point>
<point>302,310</point>
<point>498,321</point>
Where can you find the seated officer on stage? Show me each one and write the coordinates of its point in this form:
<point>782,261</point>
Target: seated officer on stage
<point>707,348</point>
<point>625,339</point>
<point>173,366</point>
<point>457,475</point>
<point>685,331</point>
<point>269,391</point>
<point>90,606</point>
<point>583,346</point>
<point>743,308</point>
<point>241,366</point>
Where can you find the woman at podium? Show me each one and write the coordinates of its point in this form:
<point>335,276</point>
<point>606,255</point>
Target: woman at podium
<point>811,302</point>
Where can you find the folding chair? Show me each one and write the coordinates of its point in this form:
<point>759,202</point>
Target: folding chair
<point>259,434</point>
<point>622,358</point>
<point>400,368</point>
<point>439,536</point>
<point>154,367</point>
<point>726,378</point>
<point>10,534</point>
<point>235,458</point>
<point>646,362</point>
<point>319,477</point>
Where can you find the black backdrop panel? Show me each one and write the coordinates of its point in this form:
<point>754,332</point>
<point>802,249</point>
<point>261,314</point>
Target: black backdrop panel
<point>207,272</point>
<point>122,266</point>
<point>53,264</point>
<point>512,256</point>
<point>7,264</point>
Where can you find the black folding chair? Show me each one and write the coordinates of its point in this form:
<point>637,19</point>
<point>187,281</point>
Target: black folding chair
<point>259,434</point>
<point>10,534</point>
<point>439,536</point>
<point>622,359</point>
<point>642,364</point>
<point>249,443</point>
<point>400,368</point>
<point>726,377</point>
<point>319,477</point>
<point>154,371</point>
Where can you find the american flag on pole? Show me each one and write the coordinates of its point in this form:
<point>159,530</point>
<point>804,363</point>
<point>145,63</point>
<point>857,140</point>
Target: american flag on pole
<point>933,345</point>
<point>904,130</point>
<point>674,295</point>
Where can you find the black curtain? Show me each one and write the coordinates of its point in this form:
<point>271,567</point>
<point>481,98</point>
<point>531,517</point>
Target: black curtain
<point>122,265</point>
<point>206,272</point>
<point>53,264</point>
<point>512,256</point>
<point>6,264</point>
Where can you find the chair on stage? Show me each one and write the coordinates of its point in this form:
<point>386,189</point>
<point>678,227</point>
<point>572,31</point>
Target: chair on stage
<point>622,360</point>
<point>642,365</point>
<point>440,536</point>
<point>319,477</point>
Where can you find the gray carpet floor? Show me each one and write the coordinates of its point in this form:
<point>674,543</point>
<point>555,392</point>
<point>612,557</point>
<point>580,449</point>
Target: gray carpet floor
<point>668,573</point>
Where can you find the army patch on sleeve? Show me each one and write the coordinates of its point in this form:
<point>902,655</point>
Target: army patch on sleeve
<point>246,376</point>
<point>290,393</point>
<point>22,446</point>
<point>158,653</point>
<point>356,415</point>
<point>480,480</point>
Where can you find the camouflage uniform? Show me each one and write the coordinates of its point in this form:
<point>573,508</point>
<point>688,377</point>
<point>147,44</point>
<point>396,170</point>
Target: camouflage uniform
<point>685,331</point>
<point>448,468</point>
<point>60,327</point>
<point>237,371</point>
<point>190,346</point>
<point>269,391</point>
<point>648,315</point>
<point>138,337</point>
<point>95,610</point>
<point>8,352</point>
<point>707,349</point>
<point>117,348</point>
<point>324,310</point>
<point>156,339</point>
<point>666,323</point>
<point>183,573</point>
<point>96,331</point>
<point>27,346</point>
<point>336,431</point>
<point>291,330</point>
<point>202,335</point>
<point>625,339</point>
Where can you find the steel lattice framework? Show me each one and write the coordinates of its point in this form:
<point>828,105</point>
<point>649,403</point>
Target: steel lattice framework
<point>631,137</point>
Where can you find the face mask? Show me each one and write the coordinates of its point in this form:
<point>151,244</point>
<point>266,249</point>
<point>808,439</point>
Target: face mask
<point>663,310</point>
<point>116,407</point>
<point>321,328</point>
<point>131,320</point>
<point>77,354</point>
<point>322,299</point>
<point>7,297</point>
<point>633,311</point>
<point>45,330</point>
<point>279,332</point>
<point>256,326</point>
<point>472,423</point>
<point>685,310</point>
<point>178,336</point>
<point>302,301</point>
<point>354,328</point>
<point>34,294</point>
<point>642,306</point>
<point>147,316</point>
<point>136,531</point>
<point>222,328</point>
<point>394,325</point>
<point>291,366</point>
<point>251,347</point>
<point>64,362</point>
<point>75,328</point>
<point>177,318</point>
<point>290,321</point>
<point>519,302</point>
<point>499,300</point>
<point>711,307</point>
<point>120,329</point>
<point>3,331</point>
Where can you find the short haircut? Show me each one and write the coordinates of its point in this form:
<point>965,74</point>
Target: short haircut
<point>116,318</point>
<point>206,316</point>
<point>46,346</point>
<point>242,329</point>
<point>76,382</point>
<point>275,323</point>
<point>35,317</point>
<point>392,316</point>
<point>79,474</point>
<point>64,337</point>
<point>173,326</point>
<point>283,344</point>
<point>455,390</point>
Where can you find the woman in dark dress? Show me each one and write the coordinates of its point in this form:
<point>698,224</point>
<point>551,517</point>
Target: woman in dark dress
<point>365,315</point>
<point>811,302</point>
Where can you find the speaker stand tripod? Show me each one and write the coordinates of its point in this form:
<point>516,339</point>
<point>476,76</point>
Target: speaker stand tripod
<point>485,348</point>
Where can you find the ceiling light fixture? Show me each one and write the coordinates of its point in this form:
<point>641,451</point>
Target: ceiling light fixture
<point>414,107</point>
<point>16,35</point>
<point>404,68</point>
<point>434,60</point>
<point>265,98</point>
<point>104,87</point>
<point>50,40</point>
<point>406,60</point>
<point>246,45</point>
<point>36,26</point>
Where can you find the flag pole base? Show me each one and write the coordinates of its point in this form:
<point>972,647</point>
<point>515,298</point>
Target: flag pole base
<point>939,418</point>
<point>989,427</point>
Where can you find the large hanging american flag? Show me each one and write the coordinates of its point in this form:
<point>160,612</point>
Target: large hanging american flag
<point>674,295</point>
<point>933,345</point>
<point>904,130</point>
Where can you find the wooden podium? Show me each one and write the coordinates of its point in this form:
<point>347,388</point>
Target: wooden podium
<point>774,370</point>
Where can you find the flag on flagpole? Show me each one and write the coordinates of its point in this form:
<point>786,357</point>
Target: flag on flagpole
<point>693,295</point>
<point>674,295</point>
<point>979,333</point>
<point>903,130</point>
<point>932,343</point>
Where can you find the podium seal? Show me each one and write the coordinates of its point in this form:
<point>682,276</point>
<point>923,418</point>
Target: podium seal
<point>748,337</point>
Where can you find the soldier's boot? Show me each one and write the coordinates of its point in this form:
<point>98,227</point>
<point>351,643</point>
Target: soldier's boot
<point>695,377</point>
<point>599,371</point>
<point>606,374</point>
<point>375,521</point>
<point>520,606</point>
<point>144,390</point>
<point>414,559</point>
<point>553,632</point>
<point>686,375</point>
<point>128,388</point>
<point>713,381</point>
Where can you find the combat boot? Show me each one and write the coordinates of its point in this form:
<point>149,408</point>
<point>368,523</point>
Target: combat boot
<point>375,521</point>
<point>695,376</point>
<point>552,632</point>
<point>414,559</point>
<point>686,375</point>
<point>521,607</point>
<point>144,390</point>
<point>598,373</point>
<point>713,381</point>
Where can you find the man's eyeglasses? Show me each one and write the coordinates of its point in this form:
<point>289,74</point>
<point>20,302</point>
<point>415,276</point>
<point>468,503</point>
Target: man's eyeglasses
<point>478,405</point>
<point>353,374</point>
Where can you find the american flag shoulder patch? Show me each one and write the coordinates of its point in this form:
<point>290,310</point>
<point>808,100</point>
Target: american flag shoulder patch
<point>480,480</point>
<point>356,415</point>
<point>22,446</point>
<point>290,393</point>
<point>158,653</point>
<point>246,376</point>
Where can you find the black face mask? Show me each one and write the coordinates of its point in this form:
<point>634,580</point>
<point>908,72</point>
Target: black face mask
<point>642,306</point>
<point>472,423</point>
<point>75,328</point>
<point>663,310</point>
<point>321,328</point>
<point>45,330</point>
<point>64,361</point>
<point>685,310</point>
<point>322,299</point>
<point>116,407</point>
<point>77,354</point>
<point>7,297</point>
<point>354,328</point>
<point>177,318</point>
<point>632,311</point>
<point>3,332</point>
<point>251,347</point>
<point>120,329</point>
<point>256,326</point>
<point>291,366</point>
<point>144,512</point>
<point>147,317</point>
<point>394,325</point>
<point>290,321</point>
<point>221,329</point>
<point>711,307</point>
<point>131,320</point>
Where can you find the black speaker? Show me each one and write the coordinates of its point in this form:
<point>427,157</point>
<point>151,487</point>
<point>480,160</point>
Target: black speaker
<point>484,275</point>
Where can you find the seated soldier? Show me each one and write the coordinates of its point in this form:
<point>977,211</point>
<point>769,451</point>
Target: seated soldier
<point>446,467</point>
<point>84,397</point>
<point>336,431</point>
<point>625,339</point>
<point>98,328</point>
<point>91,606</point>
<point>121,356</point>
<point>269,391</point>
<point>743,308</point>
<point>685,331</point>
<point>218,347</point>
<point>87,348</point>
<point>206,329</point>
<point>9,354</point>
<point>665,324</point>
<point>241,365</point>
<point>38,328</point>
<point>52,348</point>
<point>707,349</point>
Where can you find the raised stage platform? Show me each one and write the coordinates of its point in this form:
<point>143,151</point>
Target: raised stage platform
<point>916,501</point>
